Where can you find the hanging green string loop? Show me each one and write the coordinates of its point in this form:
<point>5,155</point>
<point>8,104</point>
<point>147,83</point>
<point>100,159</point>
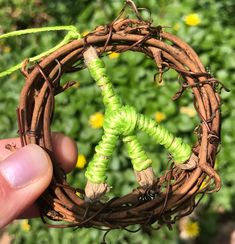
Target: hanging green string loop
<point>71,35</point>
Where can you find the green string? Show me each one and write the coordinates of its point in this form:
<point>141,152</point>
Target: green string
<point>124,121</point>
<point>71,35</point>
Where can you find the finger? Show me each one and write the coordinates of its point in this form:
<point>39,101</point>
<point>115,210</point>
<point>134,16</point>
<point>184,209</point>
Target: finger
<point>32,211</point>
<point>66,154</point>
<point>65,149</point>
<point>24,176</point>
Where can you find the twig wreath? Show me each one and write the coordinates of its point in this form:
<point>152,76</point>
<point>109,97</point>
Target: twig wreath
<point>162,199</point>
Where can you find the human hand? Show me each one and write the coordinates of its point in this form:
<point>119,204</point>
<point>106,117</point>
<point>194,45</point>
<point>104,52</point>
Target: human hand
<point>26,172</point>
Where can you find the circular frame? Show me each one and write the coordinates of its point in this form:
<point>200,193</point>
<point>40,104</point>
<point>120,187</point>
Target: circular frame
<point>173,195</point>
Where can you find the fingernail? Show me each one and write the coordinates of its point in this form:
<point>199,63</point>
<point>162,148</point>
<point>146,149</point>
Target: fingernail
<point>25,166</point>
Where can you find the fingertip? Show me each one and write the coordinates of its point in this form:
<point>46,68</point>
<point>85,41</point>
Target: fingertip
<point>25,166</point>
<point>24,176</point>
<point>65,150</point>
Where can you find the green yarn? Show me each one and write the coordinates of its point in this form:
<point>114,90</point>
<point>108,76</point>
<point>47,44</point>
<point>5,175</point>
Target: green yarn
<point>122,122</point>
<point>71,35</point>
<point>98,72</point>
<point>138,157</point>
<point>37,30</point>
<point>175,145</point>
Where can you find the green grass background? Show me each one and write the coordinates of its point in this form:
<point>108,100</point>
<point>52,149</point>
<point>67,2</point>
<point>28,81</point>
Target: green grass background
<point>132,76</point>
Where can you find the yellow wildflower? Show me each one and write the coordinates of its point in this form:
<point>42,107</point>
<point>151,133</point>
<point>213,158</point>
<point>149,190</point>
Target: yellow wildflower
<point>159,116</point>
<point>81,161</point>
<point>114,55</point>
<point>96,120</point>
<point>190,230</point>
<point>192,19</point>
<point>25,226</point>
<point>190,111</point>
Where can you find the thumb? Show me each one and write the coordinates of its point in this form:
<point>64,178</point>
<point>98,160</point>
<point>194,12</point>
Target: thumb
<point>24,176</point>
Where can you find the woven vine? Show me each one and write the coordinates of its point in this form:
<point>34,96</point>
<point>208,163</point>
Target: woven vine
<point>174,194</point>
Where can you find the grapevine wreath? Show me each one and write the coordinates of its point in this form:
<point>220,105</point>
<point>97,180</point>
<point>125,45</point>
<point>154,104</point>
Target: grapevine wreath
<point>161,200</point>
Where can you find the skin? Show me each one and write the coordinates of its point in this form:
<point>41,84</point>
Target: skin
<point>25,197</point>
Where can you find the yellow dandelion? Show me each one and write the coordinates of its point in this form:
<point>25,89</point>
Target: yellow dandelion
<point>114,55</point>
<point>190,111</point>
<point>190,230</point>
<point>159,117</point>
<point>96,120</point>
<point>192,19</point>
<point>81,161</point>
<point>25,226</point>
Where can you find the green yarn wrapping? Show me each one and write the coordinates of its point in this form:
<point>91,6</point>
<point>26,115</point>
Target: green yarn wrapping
<point>97,70</point>
<point>180,151</point>
<point>71,35</point>
<point>138,157</point>
<point>123,122</point>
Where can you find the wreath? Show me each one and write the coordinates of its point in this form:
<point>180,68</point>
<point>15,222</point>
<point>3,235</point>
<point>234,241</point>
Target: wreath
<point>162,199</point>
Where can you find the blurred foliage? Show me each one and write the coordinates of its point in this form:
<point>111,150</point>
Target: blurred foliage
<point>132,75</point>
